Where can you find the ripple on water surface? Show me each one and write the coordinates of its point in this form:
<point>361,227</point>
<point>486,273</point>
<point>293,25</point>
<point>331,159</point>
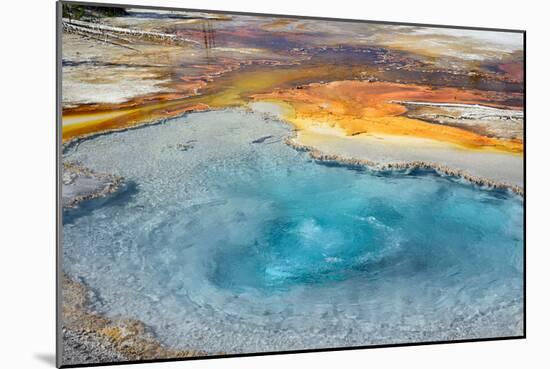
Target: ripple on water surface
<point>225,241</point>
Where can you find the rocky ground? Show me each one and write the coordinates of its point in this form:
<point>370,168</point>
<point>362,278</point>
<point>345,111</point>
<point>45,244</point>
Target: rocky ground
<point>87,347</point>
<point>80,183</point>
<point>90,338</point>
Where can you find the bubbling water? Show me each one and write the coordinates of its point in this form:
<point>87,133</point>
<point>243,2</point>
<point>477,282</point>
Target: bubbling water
<point>238,243</point>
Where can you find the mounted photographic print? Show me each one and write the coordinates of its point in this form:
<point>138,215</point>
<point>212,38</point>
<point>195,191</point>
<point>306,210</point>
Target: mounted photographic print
<point>238,184</point>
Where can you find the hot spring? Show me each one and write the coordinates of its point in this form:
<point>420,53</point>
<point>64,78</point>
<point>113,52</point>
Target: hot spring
<point>225,239</point>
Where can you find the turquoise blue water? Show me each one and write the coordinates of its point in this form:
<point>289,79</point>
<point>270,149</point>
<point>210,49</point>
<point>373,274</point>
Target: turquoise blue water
<point>226,239</point>
<point>330,224</point>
